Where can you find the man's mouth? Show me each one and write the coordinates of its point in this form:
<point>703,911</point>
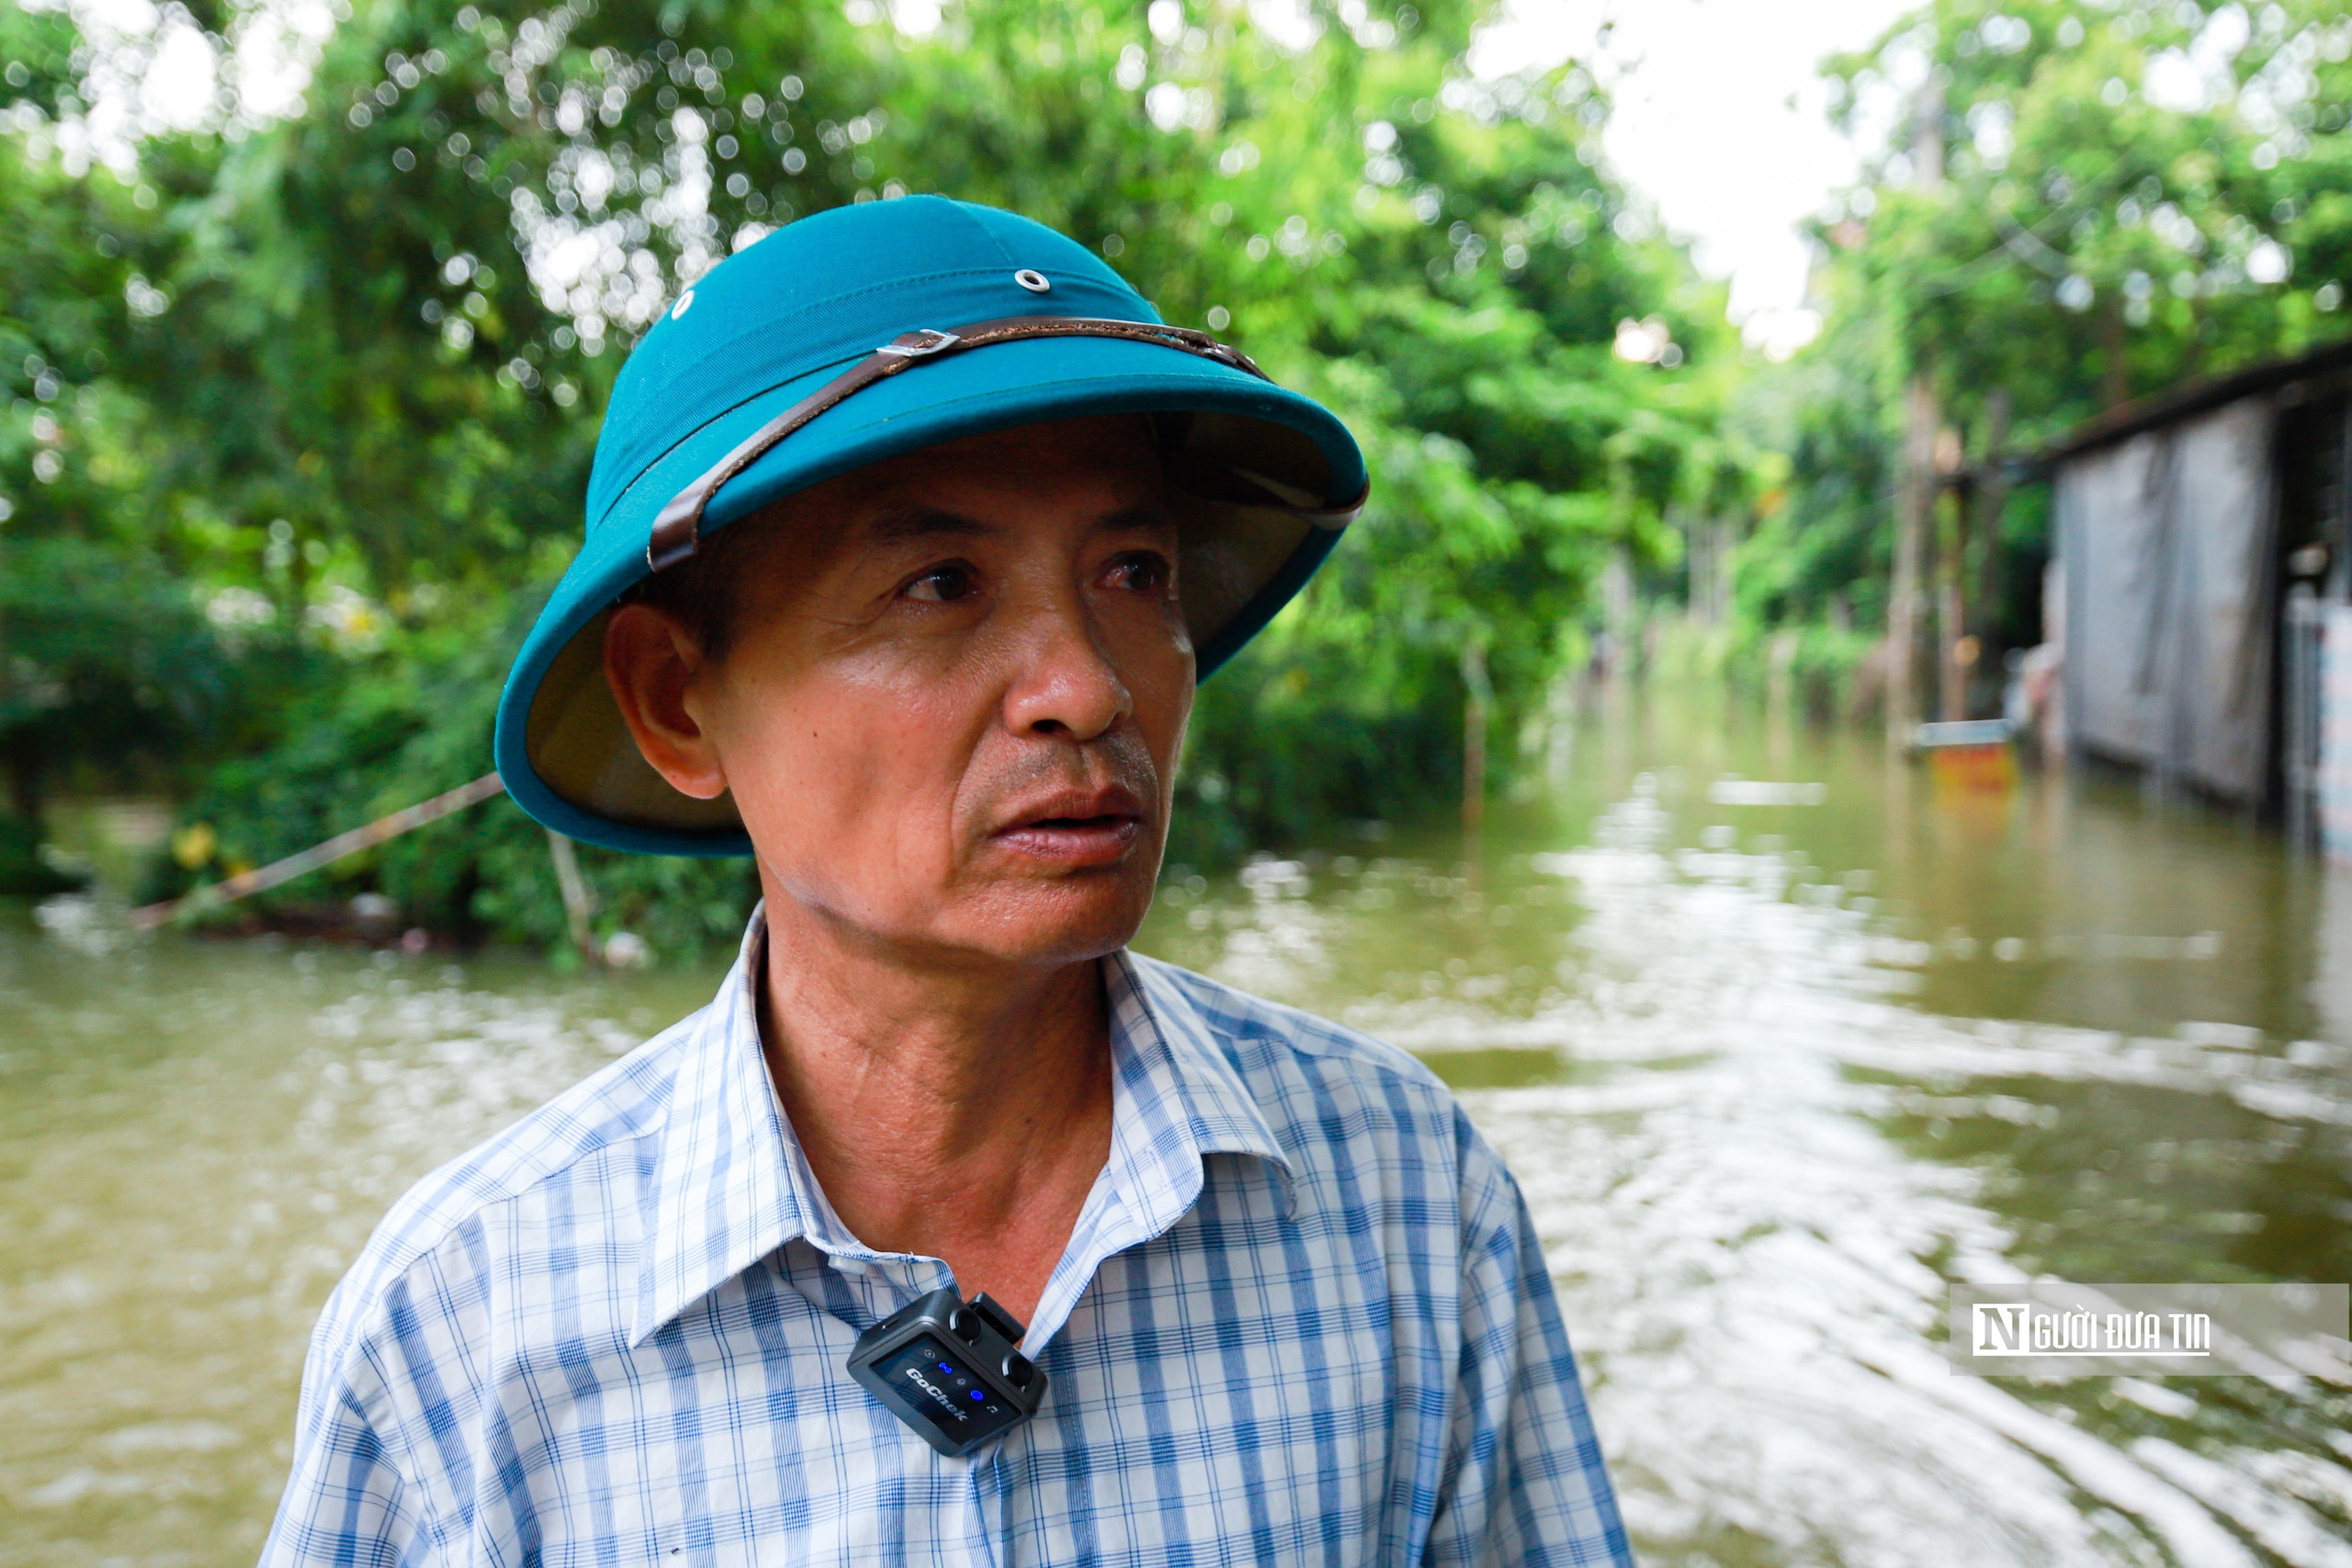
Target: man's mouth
<point>1077,828</point>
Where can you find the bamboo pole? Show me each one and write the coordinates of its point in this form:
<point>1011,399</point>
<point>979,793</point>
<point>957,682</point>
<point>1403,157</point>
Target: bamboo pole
<point>263,878</point>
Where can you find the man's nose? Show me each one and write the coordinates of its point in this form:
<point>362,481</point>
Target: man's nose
<point>1066,684</point>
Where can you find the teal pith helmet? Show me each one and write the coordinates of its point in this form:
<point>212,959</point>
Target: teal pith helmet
<point>855,336</point>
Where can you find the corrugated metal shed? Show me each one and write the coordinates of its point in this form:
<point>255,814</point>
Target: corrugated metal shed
<point>2180,524</point>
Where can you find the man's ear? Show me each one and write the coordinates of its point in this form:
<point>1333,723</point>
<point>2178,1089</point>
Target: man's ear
<point>651,664</point>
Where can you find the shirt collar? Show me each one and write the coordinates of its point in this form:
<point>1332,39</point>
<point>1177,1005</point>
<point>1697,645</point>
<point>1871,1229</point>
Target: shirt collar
<point>1176,1098</point>
<point>727,1183</point>
<point>730,1185</point>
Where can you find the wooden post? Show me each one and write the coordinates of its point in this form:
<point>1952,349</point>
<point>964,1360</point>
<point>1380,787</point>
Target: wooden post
<point>1719,578</point>
<point>577,904</point>
<point>1617,606</point>
<point>1992,499</point>
<point>1698,597</point>
<point>1915,510</point>
<point>2115,350</point>
<point>1780,672</point>
<point>1478,694</point>
<point>1915,516</point>
<point>1951,611</point>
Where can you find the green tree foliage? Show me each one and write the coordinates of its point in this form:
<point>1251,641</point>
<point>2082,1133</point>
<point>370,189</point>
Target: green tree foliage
<point>107,657</point>
<point>2131,195</point>
<point>346,364</point>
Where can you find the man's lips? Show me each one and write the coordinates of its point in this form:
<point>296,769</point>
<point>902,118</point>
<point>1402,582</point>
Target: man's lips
<point>1075,827</point>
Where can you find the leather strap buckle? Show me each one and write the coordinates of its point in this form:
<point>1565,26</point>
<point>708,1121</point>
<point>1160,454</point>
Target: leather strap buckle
<point>920,342</point>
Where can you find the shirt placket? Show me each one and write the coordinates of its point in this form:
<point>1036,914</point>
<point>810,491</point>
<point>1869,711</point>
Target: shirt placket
<point>1153,1176</point>
<point>861,1287</point>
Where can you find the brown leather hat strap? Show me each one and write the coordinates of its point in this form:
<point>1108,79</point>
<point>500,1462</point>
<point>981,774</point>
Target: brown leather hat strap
<point>677,531</point>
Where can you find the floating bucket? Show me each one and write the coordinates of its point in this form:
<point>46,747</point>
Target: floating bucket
<point>1970,756</point>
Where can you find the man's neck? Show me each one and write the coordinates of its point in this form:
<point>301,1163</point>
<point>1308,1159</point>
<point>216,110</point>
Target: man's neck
<point>948,1109</point>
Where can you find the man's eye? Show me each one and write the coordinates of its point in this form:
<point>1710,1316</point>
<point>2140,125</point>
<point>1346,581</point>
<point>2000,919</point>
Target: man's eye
<point>1141,573</point>
<point>942,584</point>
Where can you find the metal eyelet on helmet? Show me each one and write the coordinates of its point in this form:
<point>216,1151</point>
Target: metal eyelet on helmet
<point>1033,280</point>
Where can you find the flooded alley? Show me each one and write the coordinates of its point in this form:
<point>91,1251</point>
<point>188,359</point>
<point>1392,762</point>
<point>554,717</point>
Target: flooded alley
<point>1778,1040</point>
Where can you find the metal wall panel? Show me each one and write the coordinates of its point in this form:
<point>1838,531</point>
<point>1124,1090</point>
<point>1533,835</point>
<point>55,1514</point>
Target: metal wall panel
<point>2169,541</point>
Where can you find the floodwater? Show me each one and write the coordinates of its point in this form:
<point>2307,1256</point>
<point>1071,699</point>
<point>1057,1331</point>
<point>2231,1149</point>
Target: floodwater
<point>1773,1065</point>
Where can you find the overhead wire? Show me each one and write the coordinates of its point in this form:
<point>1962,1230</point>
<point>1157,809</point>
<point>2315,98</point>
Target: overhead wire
<point>2016,242</point>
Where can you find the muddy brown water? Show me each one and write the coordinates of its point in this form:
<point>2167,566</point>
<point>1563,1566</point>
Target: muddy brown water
<point>1773,1064</point>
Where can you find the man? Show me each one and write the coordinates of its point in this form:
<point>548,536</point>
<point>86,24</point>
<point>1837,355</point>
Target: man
<point>911,533</point>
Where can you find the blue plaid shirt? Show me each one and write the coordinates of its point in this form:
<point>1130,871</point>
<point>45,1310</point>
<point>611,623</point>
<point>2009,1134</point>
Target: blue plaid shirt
<point>1302,1318</point>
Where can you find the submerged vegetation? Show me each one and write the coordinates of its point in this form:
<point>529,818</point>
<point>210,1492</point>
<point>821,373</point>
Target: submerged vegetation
<point>301,386</point>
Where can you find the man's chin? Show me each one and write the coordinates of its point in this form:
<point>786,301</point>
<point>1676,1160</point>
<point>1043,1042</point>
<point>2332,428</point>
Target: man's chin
<point>1064,919</point>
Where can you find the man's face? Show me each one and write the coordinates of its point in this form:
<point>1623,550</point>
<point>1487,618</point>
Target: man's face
<point>957,685</point>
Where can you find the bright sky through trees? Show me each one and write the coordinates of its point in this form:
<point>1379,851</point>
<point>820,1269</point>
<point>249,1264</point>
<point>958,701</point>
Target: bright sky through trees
<point>1719,120</point>
<point>1719,115</point>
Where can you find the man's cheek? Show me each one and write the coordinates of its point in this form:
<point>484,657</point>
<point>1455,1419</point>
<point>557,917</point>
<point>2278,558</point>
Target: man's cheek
<point>802,776</point>
<point>1164,718</point>
<point>901,785</point>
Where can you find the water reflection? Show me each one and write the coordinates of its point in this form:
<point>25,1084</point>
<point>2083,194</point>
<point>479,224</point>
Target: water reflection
<point>1772,1065</point>
<point>1776,1062</point>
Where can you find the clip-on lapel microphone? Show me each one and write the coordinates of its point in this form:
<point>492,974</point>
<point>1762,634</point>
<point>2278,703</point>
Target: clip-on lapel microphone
<point>953,1372</point>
